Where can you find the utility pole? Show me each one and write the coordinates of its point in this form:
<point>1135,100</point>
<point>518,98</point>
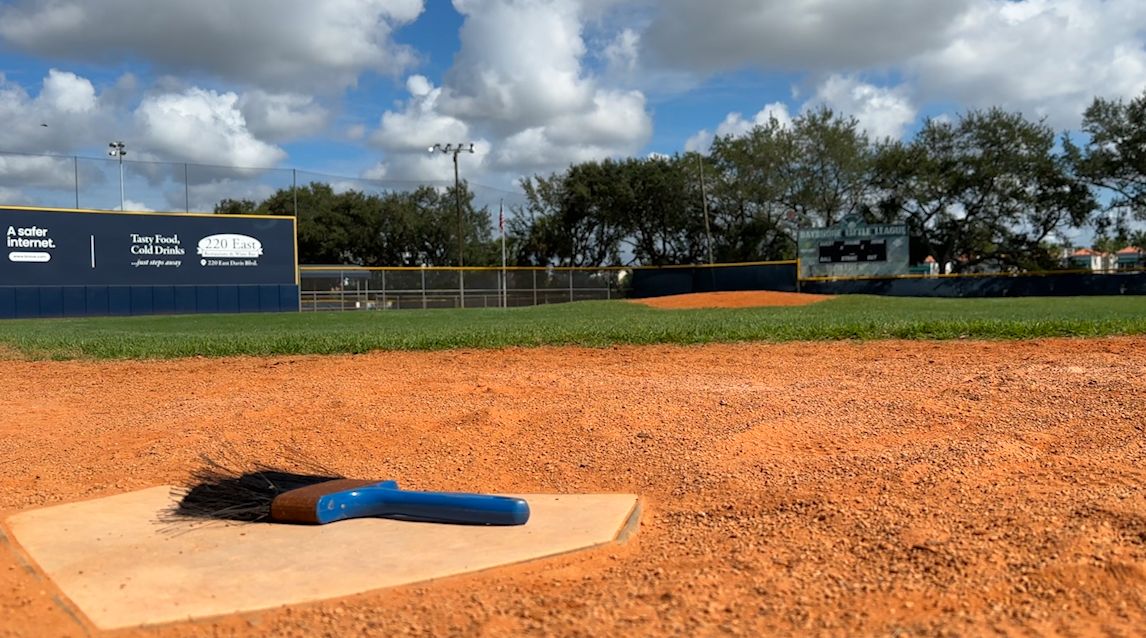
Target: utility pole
<point>704,202</point>
<point>454,149</point>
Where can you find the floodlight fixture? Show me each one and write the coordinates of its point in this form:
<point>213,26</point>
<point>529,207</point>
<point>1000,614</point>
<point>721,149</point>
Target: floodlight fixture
<point>117,150</point>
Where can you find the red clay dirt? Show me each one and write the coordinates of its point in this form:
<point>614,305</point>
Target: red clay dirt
<point>738,299</point>
<point>880,488</point>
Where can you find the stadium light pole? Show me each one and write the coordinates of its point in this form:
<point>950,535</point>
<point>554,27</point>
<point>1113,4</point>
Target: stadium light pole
<point>118,150</point>
<point>454,149</point>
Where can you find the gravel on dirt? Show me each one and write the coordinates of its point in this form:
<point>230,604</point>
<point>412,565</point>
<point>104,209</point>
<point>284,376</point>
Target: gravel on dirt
<point>876,488</point>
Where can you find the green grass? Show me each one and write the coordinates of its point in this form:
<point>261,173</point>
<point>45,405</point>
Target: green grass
<point>585,323</point>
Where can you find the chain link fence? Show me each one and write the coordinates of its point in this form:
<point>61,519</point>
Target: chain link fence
<point>335,288</point>
<point>55,181</point>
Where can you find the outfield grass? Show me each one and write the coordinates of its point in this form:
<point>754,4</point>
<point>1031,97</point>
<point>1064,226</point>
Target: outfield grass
<point>585,323</point>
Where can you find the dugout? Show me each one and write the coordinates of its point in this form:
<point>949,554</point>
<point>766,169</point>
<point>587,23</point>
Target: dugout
<point>76,263</point>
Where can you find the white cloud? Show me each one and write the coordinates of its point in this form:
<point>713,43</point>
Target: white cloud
<point>204,127</point>
<point>67,93</point>
<point>282,116</point>
<point>736,125</point>
<point>1045,57</point>
<point>134,206</point>
<point>271,43</point>
<point>36,171</point>
<point>421,124</point>
<point>66,110</point>
<point>622,54</point>
<point>882,112</point>
<point>524,80</point>
<point>812,34</point>
<point>521,80</point>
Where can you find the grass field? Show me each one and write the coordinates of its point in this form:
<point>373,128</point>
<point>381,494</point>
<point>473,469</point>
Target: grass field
<point>586,323</point>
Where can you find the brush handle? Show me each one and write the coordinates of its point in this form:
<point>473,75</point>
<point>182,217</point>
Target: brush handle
<point>431,507</point>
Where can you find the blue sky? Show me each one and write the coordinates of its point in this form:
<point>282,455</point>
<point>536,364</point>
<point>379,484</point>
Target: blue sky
<point>359,88</point>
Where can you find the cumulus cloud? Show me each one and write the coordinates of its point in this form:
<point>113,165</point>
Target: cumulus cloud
<point>774,34</point>
<point>881,111</point>
<point>736,125</point>
<point>282,116</point>
<point>1047,58</point>
<point>65,109</point>
<point>270,43</point>
<point>531,91</point>
<point>202,126</point>
<point>421,124</point>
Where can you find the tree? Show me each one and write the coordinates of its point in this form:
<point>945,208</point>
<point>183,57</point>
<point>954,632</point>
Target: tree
<point>987,189</point>
<point>830,167</point>
<point>568,219</point>
<point>236,207</point>
<point>811,173</point>
<point>380,229</point>
<point>751,175</point>
<point>1114,156</point>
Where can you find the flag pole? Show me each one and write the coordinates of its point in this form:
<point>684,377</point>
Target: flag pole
<point>504,276</point>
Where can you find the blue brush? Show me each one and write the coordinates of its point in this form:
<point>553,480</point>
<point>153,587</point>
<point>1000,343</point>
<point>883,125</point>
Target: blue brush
<point>283,497</point>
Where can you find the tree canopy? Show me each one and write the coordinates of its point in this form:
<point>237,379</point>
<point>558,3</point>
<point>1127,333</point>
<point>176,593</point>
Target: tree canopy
<point>988,189</point>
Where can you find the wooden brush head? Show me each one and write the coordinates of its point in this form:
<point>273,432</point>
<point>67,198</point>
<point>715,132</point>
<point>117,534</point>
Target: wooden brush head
<point>301,505</point>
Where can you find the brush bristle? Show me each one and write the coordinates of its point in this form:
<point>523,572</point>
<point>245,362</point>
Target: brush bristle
<point>218,492</point>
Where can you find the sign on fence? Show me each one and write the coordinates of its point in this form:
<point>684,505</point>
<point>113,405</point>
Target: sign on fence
<point>71,248</point>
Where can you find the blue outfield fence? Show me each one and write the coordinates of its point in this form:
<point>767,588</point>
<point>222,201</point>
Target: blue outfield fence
<point>1020,285</point>
<point>781,276</point>
<point>680,280</point>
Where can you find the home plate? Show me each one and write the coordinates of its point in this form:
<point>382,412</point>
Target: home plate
<point>123,567</point>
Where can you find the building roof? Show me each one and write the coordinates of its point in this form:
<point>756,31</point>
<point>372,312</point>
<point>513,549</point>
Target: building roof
<point>1130,250</point>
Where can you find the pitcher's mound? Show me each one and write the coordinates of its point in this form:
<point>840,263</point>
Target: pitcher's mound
<point>742,299</point>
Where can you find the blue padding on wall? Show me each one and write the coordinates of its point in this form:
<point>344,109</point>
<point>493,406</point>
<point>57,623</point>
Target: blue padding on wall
<point>163,300</point>
<point>269,298</point>
<point>119,300</point>
<point>7,303</point>
<point>207,299</point>
<point>27,302</point>
<point>142,300</point>
<point>97,300</point>
<point>248,298</point>
<point>228,298</point>
<point>51,301</point>
<point>75,301</point>
<point>288,298</point>
<point>185,302</point>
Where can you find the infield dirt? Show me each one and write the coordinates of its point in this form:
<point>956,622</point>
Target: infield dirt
<point>884,488</point>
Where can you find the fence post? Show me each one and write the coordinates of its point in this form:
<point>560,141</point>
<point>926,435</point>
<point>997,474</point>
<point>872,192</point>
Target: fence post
<point>76,171</point>
<point>535,287</point>
<point>423,286</point>
<point>383,289</point>
<point>186,187</point>
<point>570,285</point>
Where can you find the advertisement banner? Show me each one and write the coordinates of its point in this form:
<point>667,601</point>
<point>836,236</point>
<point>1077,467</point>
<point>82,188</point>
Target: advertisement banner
<point>73,248</point>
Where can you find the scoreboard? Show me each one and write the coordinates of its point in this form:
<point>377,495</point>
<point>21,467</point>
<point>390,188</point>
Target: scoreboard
<point>853,248</point>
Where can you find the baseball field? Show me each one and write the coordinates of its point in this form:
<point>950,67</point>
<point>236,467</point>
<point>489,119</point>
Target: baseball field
<point>807,466</point>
